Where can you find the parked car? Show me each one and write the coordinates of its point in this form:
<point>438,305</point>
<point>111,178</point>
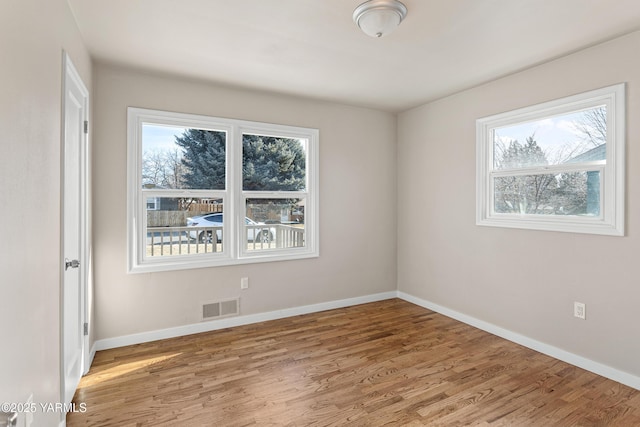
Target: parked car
<point>265,234</point>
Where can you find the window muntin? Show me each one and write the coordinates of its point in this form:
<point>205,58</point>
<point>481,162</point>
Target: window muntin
<point>555,166</point>
<point>190,169</point>
<point>275,191</point>
<point>190,160</point>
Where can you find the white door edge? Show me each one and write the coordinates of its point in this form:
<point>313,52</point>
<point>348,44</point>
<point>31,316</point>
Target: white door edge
<point>70,72</point>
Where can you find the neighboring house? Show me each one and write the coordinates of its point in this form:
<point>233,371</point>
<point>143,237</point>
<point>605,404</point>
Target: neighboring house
<point>593,177</point>
<point>161,203</point>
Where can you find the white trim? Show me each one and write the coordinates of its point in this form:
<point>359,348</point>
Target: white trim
<point>229,322</point>
<point>612,176</point>
<point>555,352</point>
<point>232,195</point>
<point>71,73</point>
<point>92,355</point>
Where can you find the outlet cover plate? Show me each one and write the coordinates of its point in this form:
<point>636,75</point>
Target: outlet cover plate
<point>580,310</point>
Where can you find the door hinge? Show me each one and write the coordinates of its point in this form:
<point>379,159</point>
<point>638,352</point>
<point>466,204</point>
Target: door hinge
<point>86,126</point>
<point>71,264</point>
<point>86,328</point>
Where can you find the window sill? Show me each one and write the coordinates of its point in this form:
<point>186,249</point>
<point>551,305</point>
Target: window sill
<point>175,264</point>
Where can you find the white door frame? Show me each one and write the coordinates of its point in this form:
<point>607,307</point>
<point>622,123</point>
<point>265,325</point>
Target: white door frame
<point>70,72</point>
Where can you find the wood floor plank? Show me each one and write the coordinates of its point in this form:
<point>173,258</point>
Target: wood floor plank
<point>385,363</point>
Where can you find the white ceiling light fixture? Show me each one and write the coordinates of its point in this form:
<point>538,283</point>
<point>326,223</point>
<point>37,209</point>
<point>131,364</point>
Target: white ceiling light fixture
<point>377,18</point>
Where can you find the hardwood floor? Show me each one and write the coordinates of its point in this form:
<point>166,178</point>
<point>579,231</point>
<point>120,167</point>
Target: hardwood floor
<point>385,363</point>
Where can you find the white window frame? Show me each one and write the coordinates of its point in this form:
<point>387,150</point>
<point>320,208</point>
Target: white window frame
<point>612,181</point>
<point>232,196</point>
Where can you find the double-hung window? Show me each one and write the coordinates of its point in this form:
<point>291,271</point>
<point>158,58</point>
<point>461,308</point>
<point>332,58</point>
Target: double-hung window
<point>555,166</point>
<point>206,191</point>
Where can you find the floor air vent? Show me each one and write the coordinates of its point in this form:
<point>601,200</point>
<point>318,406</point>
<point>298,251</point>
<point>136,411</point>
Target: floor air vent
<point>214,310</point>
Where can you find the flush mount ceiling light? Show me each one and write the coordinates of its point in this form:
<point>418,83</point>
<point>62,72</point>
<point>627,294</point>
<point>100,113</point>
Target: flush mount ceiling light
<point>377,18</point>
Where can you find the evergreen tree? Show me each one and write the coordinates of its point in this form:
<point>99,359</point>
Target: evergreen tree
<point>269,163</point>
<point>529,194</point>
<point>518,155</point>
<point>203,158</point>
<point>272,164</point>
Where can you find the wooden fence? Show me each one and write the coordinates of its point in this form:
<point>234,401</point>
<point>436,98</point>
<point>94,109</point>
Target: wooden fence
<point>206,207</point>
<point>169,218</point>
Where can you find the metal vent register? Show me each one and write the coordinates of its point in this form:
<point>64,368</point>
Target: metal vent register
<point>213,310</point>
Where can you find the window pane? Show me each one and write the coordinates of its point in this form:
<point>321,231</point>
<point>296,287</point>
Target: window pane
<point>185,158</point>
<point>275,224</point>
<point>575,193</point>
<point>273,164</point>
<point>569,138</point>
<point>183,226</point>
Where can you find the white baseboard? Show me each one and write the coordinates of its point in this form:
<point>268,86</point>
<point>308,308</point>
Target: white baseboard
<point>229,322</point>
<point>92,355</point>
<point>571,358</point>
<point>555,352</point>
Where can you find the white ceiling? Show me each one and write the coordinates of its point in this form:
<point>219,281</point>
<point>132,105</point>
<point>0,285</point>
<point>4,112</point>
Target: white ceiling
<point>312,48</point>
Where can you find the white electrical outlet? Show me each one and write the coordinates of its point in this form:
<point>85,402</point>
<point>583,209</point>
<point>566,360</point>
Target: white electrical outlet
<point>244,283</point>
<point>579,310</point>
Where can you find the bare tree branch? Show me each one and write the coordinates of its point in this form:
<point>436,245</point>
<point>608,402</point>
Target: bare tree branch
<point>593,126</point>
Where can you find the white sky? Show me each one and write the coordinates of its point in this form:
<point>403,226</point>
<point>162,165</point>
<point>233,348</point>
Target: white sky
<point>163,138</point>
<point>159,138</point>
<point>550,133</point>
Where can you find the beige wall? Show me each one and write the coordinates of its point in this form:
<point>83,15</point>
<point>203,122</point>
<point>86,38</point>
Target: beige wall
<point>523,281</point>
<point>33,35</point>
<point>357,209</point>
